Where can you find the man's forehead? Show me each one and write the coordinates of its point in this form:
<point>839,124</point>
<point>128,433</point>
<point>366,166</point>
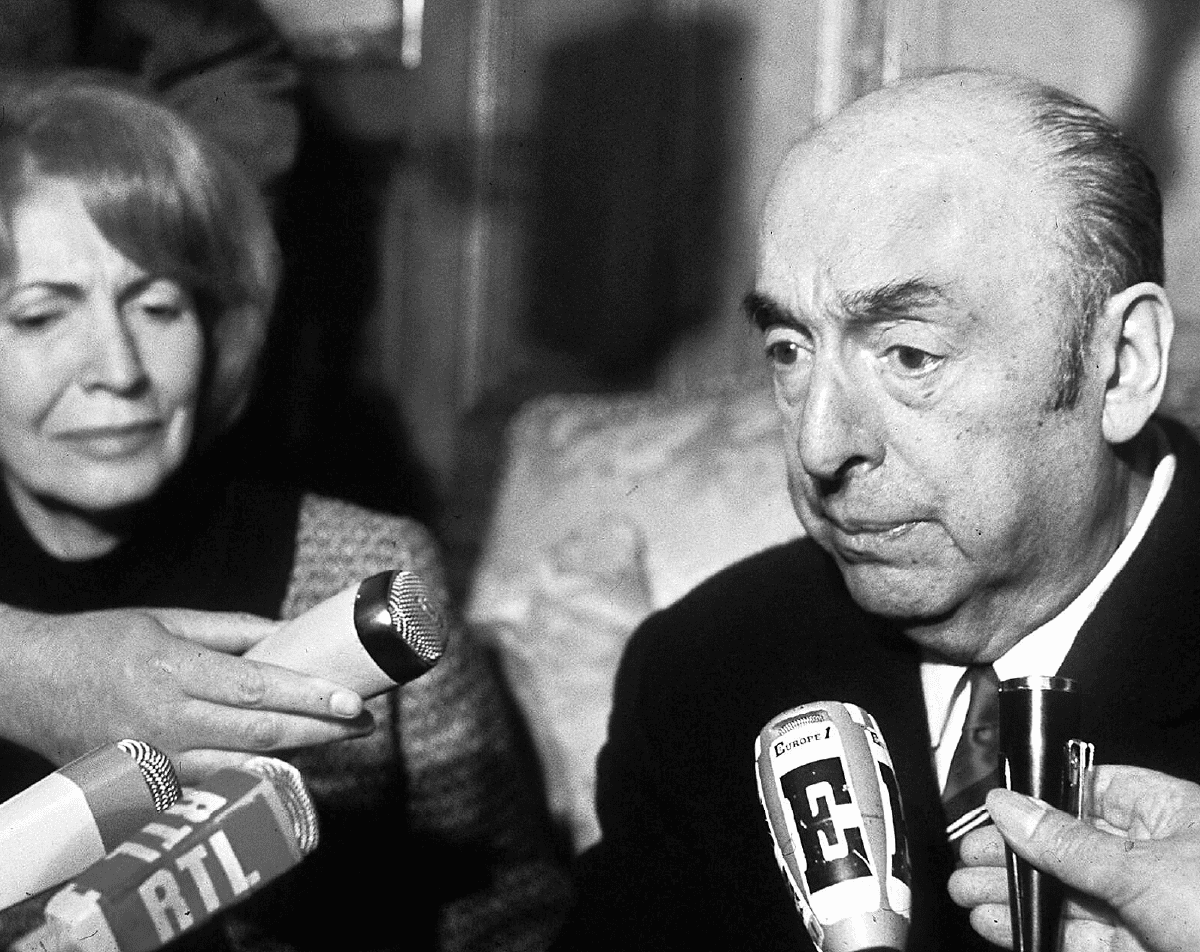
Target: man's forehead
<point>896,204</point>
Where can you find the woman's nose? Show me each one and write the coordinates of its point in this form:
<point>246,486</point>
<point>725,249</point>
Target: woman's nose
<point>114,361</point>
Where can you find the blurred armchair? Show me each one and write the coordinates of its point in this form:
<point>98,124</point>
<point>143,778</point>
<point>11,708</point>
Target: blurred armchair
<point>610,507</point>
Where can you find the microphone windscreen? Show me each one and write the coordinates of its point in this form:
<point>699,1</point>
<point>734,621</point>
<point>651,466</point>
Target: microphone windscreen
<point>294,798</point>
<point>158,773</point>
<point>832,804</point>
<point>400,624</point>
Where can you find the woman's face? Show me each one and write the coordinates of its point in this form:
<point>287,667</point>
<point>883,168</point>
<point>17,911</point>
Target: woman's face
<point>100,365</point>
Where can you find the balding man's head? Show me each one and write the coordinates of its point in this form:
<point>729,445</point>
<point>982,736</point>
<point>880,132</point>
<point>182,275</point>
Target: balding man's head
<point>931,263</point>
<point>1101,213</point>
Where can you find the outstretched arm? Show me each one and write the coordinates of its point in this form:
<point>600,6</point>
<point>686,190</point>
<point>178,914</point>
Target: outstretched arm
<point>172,678</point>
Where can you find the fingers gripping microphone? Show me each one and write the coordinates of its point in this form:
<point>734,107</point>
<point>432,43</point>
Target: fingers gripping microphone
<point>1039,719</point>
<point>369,637</point>
<point>62,824</point>
<point>220,843</point>
<point>827,785</point>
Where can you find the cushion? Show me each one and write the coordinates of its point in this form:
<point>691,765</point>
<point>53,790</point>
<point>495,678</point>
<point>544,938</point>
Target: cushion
<point>611,507</point>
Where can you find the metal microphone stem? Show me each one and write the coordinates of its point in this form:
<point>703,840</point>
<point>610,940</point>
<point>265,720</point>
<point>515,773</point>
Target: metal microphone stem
<point>1038,718</point>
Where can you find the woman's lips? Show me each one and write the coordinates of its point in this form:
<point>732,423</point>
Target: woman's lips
<point>113,442</point>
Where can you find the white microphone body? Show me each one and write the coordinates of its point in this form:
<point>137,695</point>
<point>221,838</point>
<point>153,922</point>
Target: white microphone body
<point>370,637</point>
<point>220,843</point>
<point>832,803</point>
<point>57,827</point>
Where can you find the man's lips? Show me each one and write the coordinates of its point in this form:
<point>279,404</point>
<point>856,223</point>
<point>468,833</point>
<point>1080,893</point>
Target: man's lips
<point>870,527</point>
<point>872,538</point>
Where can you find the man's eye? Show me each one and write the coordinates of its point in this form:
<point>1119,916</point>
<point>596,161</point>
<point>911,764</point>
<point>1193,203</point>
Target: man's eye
<point>912,360</point>
<point>783,352</point>
<point>785,346</point>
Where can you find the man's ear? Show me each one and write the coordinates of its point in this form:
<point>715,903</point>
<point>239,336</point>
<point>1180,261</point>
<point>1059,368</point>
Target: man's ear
<point>1144,324</point>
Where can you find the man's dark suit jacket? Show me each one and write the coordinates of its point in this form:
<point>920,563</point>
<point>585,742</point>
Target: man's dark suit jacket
<point>686,861</point>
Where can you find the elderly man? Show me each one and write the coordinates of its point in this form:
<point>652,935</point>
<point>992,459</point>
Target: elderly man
<point>960,294</point>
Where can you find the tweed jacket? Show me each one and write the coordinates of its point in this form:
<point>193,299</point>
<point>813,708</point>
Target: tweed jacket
<point>472,849</point>
<point>432,833</point>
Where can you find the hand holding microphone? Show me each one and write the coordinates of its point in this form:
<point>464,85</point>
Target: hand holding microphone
<point>174,678</point>
<point>371,637</point>
<point>1137,861</point>
<point>829,791</point>
<point>220,843</point>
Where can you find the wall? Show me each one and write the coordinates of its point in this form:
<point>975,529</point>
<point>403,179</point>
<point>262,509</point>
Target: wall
<point>571,187</point>
<point>1139,60</point>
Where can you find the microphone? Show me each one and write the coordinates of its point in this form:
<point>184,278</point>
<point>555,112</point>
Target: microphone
<point>220,843</point>
<point>1039,756</point>
<point>66,821</point>
<point>829,791</point>
<point>370,637</point>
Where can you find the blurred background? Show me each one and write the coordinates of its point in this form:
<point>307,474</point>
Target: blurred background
<point>499,199</point>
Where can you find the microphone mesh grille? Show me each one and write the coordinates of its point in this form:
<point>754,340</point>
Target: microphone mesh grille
<point>416,616</point>
<point>297,802</point>
<point>157,771</point>
<point>809,717</point>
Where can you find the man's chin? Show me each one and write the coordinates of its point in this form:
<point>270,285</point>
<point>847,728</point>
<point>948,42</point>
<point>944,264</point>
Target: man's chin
<point>906,595</point>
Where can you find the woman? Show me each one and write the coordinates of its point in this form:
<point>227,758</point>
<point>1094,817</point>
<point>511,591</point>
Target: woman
<point>137,271</point>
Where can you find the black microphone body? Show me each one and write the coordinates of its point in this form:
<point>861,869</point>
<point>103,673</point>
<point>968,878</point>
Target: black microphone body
<point>1038,718</point>
<point>370,637</point>
<point>832,802</point>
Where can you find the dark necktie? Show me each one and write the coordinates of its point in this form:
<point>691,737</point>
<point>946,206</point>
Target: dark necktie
<point>975,767</point>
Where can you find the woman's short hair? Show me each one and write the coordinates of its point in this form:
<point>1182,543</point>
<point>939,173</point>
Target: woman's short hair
<point>168,200</point>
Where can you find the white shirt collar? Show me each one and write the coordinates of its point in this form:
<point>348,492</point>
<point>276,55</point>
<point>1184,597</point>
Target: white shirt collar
<point>1042,651</point>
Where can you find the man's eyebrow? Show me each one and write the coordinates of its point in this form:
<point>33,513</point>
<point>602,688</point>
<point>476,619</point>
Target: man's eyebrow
<point>763,311</point>
<point>892,301</point>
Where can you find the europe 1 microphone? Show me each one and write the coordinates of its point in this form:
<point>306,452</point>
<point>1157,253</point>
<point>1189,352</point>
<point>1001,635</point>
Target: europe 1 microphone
<point>220,843</point>
<point>370,637</point>
<point>60,825</point>
<point>832,803</point>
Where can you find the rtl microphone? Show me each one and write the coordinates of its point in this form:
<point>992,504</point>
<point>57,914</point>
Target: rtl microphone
<point>370,637</point>
<point>62,824</point>
<point>217,845</point>
<point>1040,756</point>
<point>828,788</point>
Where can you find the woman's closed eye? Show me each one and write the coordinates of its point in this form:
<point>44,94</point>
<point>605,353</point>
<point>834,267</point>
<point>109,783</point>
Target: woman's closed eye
<point>37,313</point>
<point>160,300</point>
<point>35,320</point>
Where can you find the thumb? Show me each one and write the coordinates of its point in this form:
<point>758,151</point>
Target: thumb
<point>1070,850</point>
<point>229,632</point>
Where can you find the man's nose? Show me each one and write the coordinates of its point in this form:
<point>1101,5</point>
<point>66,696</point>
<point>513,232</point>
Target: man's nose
<point>113,360</point>
<point>837,433</point>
